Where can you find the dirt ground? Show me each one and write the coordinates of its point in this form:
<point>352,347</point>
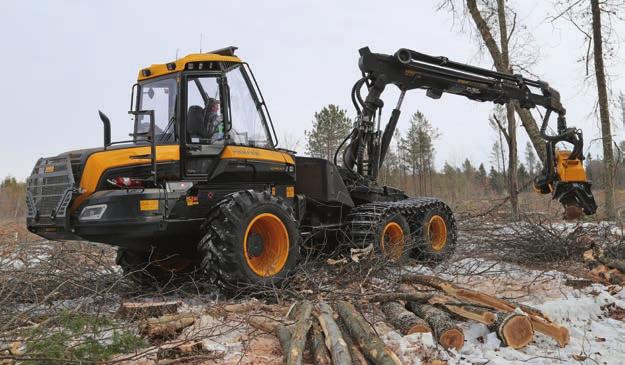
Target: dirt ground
<point>59,301</point>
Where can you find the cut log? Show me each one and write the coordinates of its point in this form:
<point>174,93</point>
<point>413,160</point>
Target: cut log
<point>334,340</point>
<point>284,337</point>
<point>540,321</point>
<point>320,353</point>
<point>180,349</point>
<point>514,330</point>
<point>473,313</point>
<point>299,334</point>
<point>358,358</point>
<point>141,310</point>
<point>262,323</point>
<point>444,330</point>
<point>361,331</point>
<point>406,297</point>
<point>404,320</point>
<point>612,263</point>
<point>167,326</point>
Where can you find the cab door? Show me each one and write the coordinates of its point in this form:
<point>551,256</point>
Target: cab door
<point>202,137</point>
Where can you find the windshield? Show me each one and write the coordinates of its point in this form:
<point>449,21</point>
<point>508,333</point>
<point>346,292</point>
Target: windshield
<point>160,96</point>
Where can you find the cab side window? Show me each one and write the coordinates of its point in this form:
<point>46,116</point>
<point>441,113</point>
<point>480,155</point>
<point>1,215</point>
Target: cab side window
<point>248,127</point>
<point>205,123</point>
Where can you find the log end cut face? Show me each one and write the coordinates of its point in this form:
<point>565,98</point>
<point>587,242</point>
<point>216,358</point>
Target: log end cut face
<point>518,332</point>
<point>452,339</point>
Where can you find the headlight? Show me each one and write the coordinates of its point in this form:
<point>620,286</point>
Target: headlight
<point>92,212</point>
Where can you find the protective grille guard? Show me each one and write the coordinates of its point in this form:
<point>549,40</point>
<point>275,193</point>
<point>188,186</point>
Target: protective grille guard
<point>49,194</point>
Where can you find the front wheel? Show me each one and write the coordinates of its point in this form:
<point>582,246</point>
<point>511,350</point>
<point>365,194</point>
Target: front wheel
<point>250,240</point>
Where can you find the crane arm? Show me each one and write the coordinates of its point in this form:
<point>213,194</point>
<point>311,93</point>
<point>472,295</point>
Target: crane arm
<point>409,70</point>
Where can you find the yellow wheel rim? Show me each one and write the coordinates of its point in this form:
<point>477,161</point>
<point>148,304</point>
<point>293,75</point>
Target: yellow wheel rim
<point>275,245</point>
<point>392,241</point>
<point>437,232</point>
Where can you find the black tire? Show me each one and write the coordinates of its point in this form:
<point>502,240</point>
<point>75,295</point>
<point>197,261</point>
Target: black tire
<point>390,226</point>
<point>223,248</point>
<point>436,247</point>
<point>149,270</point>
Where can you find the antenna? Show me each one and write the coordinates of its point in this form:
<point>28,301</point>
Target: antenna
<point>200,42</point>
<point>177,49</point>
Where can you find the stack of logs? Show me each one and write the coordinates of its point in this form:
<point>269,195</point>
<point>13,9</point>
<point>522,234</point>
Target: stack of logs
<point>341,335</point>
<point>603,269</point>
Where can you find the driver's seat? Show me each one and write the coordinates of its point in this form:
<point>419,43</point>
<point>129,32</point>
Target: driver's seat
<point>196,127</point>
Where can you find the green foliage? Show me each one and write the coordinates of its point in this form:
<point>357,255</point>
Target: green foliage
<point>79,337</point>
<point>418,149</point>
<point>330,126</point>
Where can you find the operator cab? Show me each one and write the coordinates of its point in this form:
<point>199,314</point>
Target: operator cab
<point>202,102</point>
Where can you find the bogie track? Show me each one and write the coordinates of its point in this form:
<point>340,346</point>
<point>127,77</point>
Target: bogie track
<point>431,239</point>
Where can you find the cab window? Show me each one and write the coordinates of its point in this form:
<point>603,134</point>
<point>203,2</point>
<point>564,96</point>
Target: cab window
<point>205,122</point>
<point>160,96</point>
<point>247,124</point>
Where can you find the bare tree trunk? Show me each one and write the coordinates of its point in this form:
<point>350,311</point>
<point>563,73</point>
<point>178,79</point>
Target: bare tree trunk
<point>529,123</point>
<point>604,114</point>
<point>513,182</point>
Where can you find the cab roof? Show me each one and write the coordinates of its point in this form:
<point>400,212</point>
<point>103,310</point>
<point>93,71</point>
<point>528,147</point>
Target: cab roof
<point>160,69</point>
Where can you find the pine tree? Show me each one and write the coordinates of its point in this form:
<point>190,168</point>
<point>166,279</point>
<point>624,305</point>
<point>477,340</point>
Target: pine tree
<point>481,175</point>
<point>330,126</point>
<point>418,151</point>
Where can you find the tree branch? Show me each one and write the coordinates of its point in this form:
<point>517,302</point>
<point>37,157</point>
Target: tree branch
<point>502,129</point>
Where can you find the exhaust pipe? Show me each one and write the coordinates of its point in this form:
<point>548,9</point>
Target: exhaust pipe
<point>107,128</point>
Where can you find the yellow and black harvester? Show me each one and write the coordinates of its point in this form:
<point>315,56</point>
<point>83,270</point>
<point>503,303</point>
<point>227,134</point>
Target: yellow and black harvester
<point>201,185</point>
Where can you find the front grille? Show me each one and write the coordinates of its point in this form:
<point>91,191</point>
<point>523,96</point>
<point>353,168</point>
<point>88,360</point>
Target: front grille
<point>50,187</point>
<point>75,160</point>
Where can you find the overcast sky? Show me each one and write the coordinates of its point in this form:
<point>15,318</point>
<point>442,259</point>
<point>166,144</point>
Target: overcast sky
<point>64,60</point>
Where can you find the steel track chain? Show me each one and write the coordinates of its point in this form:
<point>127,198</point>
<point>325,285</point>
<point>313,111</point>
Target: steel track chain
<point>363,221</point>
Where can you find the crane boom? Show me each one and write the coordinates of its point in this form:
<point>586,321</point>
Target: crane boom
<point>409,70</point>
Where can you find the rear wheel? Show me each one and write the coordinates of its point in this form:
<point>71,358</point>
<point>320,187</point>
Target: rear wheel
<point>152,268</point>
<point>250,240</point>
<point>436,235</point>
<point>394,238</point>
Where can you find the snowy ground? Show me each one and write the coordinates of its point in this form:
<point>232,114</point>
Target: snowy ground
<point>594,314</point>
<point>596,337</point>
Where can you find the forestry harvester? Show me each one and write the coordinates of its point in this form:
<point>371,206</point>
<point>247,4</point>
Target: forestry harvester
<point>201,184</point>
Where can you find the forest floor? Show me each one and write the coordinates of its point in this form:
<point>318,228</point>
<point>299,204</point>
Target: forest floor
<point>59,302</point>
